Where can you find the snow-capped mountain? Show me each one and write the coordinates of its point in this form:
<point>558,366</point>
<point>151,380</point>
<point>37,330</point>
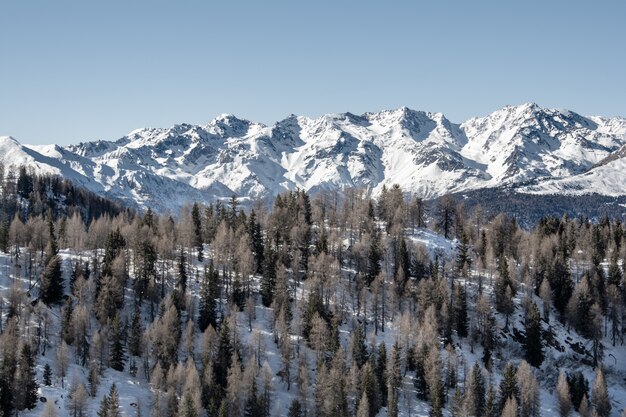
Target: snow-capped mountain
<point>423,152</point>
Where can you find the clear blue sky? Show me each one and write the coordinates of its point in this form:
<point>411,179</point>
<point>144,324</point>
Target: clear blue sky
<point>82,70</point>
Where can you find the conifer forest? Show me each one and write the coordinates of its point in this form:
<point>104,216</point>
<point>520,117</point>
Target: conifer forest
<point>324,305</point>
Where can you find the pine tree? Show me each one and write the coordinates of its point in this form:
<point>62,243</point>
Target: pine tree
<point>268,278</point>
<point>224,355</point>
<point>369,388</point>
<point>491,406</point>
<point>463,259</point>
<point>446,214</point>
<point>114,402</point>
<point>394,380</point>
<point>51,283</point>
<point>563,395</point>
<point>504,289</point>
<point>578,388</point>
<point>561,283</point>
<point>135,340</point>
<point>460,311</point>
<point>436,399</point>
<point>374,257</point>
<point>528,391</point>
<point>295,409</point>
<point>25,381</point>
<point>475,394</point>
<point>533,342</point>
<point>252,408</point>
<point>381,372</point>
<point>359,349</point>
<point>583,408</point>
<point>508,385</point>
<point>47,375</point>
<point>209,291</point>
<point>403,262</point>
<point>256,239</point>
<point>419,381</point>
<point>66,322</point>
<point>197,230</point>
<point>103,410</point>
<point>600,395</point>
<point>117,351</point>
<point>363,409</point>
<point>510,407</point>
<point>113,246</point>
<point>457,406</point>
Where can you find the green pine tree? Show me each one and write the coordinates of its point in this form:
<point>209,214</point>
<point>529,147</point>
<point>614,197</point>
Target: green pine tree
<point>533,343</point>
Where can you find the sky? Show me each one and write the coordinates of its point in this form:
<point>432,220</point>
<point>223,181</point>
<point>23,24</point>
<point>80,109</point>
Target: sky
<point>74,71</point>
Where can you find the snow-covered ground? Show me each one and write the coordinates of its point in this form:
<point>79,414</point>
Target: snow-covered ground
<point>135,392</point>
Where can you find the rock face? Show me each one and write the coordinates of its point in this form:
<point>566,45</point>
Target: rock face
<point>526,148</point>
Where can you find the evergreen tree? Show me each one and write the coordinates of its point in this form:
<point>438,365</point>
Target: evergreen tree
<point>583,407</point>
<point>135,341</point>
<point>67,332</point>
<point>256,240</point>
<point>369,388</point>
<point>394,380</point>
<point>25,382</point>
<point>110,404</point>
<point>504,289</point>
<point>145,267</point>
<point>112,248</point>
<point>510,408</point>
<point>463,258</point>
<point>563,395</point>
<point>578,388</point>
<point>381,373</point>
<point>561,283</point>
<point>508,386</point>
<point>359,349</point>
<point>460,311</point>
<point>209,292</point>
<point>117,353</point>
<point>403,262</point>
<point>197,231</point>
<point>419,381</point>
<point>114,402</point>
<point>489,340</point>
<point>363,409</point>
<point>533,343</point>
<point>491,405</point>
<point>268,278</point>
<point>47,375</point>
<point>295,409</point>
<point>51,282</point>
<point>224,355</point>
<point>374,257</point>
<point>103,410</point>
<point>475,394</point>
<point>446,214</point>
<point>436,399</point>
<point>600,395</point>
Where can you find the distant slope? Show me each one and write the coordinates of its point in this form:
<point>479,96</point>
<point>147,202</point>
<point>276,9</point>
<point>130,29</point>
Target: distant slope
<point>425,153</point>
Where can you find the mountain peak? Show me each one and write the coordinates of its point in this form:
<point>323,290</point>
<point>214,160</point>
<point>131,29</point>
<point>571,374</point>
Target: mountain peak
<point>423,152</point>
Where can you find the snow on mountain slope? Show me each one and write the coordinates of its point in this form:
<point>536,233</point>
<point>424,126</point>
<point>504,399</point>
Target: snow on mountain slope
<point>423,152</point>
<point>608,177</point>
<point>527,142</point>
<point>47,159</point>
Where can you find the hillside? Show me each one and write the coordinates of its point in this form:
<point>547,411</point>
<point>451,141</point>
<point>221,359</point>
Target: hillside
<point>338,309</point>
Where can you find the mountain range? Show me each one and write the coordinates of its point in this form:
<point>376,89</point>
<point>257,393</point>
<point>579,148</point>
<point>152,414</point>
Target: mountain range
<point>526,149</point>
